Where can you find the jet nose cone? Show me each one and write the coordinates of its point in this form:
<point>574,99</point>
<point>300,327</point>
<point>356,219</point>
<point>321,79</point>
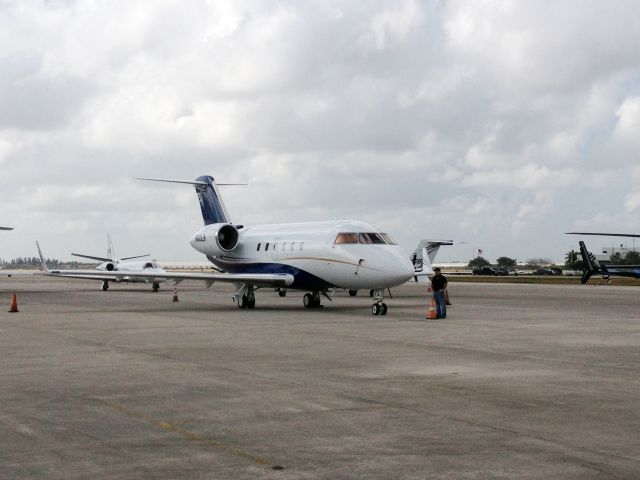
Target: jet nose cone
<point>400,267</point>
<point>405,272</point>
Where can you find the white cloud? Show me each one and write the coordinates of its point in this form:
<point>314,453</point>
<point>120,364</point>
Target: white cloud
<point>448,118</point>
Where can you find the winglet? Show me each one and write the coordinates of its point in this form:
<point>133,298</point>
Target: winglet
<point>43,263</point>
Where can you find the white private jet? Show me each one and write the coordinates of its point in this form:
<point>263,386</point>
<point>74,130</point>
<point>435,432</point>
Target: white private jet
<point>316,257</point>
<point>122,265</point>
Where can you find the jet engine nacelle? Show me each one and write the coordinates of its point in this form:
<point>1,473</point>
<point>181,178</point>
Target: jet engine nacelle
<point>216,239</point>
<point>107,267</point>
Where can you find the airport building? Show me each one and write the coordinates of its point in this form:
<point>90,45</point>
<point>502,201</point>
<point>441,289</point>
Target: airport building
<point>607,252</point>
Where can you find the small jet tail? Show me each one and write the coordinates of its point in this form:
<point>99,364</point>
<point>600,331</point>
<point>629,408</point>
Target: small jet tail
<point>423,257</point>
<point>591,265</point>
<point>43,262</point>
<point>211,204</point>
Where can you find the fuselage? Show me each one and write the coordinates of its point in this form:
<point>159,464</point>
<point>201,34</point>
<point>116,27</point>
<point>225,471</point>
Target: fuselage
<point>320,255</point>
<point>148,267</point>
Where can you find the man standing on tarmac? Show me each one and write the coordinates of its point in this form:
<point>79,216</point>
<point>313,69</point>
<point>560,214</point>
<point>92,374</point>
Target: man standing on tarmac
<point>439,285</point>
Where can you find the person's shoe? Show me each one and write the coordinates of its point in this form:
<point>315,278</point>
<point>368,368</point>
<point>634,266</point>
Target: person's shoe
<point>443,316</point>
<point>438,316</point>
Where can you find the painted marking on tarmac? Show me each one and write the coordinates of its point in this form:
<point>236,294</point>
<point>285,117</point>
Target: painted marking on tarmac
<point>172,427</point>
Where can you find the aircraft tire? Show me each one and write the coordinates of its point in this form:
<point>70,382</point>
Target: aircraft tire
<point>375,309</point>
<point>105,286</point>
<point>371,293</point>
<point>251,303</point>
<point>307,300</point>
<point>155,287</point>
<point>282,293</point>
<point>383,309</point>
<point>242,302</point>
<point>353,293</point>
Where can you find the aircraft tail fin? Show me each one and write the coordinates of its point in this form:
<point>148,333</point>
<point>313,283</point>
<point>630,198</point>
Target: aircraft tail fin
<point>211,204</point>
<point>591,265</point>
<point>433,246</point>
<point>423,257</point>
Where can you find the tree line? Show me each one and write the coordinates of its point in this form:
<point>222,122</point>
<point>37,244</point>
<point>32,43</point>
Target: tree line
<point>24,262</point>
<point>573,261</point>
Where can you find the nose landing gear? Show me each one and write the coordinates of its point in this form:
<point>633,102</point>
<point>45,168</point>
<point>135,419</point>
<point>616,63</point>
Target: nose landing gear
<point>378,308</point>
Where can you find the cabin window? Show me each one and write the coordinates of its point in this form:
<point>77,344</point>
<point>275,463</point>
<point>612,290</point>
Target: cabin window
<point>266,246</point>
<point>258,249</point>
<point>387,238</point>
<point>346,238</point>
<point>369,238</point>
<point>275,246</point>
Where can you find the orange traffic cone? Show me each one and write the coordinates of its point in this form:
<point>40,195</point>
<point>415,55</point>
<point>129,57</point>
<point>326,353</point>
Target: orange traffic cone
<point>13,308</point>
<point>175,295</point>
<point>432,311</point>
<point>446,297</point>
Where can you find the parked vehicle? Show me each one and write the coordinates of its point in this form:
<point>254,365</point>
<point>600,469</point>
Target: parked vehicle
<point>544,271</point>
<point>487,270</point>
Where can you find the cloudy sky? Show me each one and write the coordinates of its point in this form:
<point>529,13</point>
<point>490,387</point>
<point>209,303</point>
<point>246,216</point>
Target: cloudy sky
<point>502,124</point>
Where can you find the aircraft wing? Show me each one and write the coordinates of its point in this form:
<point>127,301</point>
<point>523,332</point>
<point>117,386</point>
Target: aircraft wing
<point>257,279</point>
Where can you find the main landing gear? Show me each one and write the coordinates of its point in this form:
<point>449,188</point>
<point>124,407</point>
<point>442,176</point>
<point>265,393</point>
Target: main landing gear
<point>155,287</point>
<point>311,300</point>
<point>247,300</point>
<point>105,286</point>
<point>245,297</point>
<point>378,308</point>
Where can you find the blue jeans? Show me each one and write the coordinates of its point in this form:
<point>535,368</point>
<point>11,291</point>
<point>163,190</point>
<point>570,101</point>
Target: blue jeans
<point>441,304</point>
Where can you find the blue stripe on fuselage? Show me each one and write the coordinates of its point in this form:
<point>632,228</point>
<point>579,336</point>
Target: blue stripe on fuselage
<point>302,280</point>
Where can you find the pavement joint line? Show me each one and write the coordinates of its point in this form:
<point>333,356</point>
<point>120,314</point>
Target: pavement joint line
<point>173,427</point>
<point>518,433</point>
<point>514,355</point>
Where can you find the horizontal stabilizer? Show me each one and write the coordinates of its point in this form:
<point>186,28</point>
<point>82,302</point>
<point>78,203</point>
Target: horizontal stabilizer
<point>136,256</point>
<point>90,257</point>
<point>187,182</point>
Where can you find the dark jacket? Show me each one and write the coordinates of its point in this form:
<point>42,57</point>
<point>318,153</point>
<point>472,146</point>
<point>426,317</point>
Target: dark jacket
<point>438,282</point>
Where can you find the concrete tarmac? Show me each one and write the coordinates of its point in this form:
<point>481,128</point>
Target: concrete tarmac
<point>519,382</point>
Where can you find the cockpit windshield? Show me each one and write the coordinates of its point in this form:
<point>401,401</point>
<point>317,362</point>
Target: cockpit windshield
<point>370,238</point>
<point>346,238</point>
<point>387,238</point>
<point>365,238</point>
